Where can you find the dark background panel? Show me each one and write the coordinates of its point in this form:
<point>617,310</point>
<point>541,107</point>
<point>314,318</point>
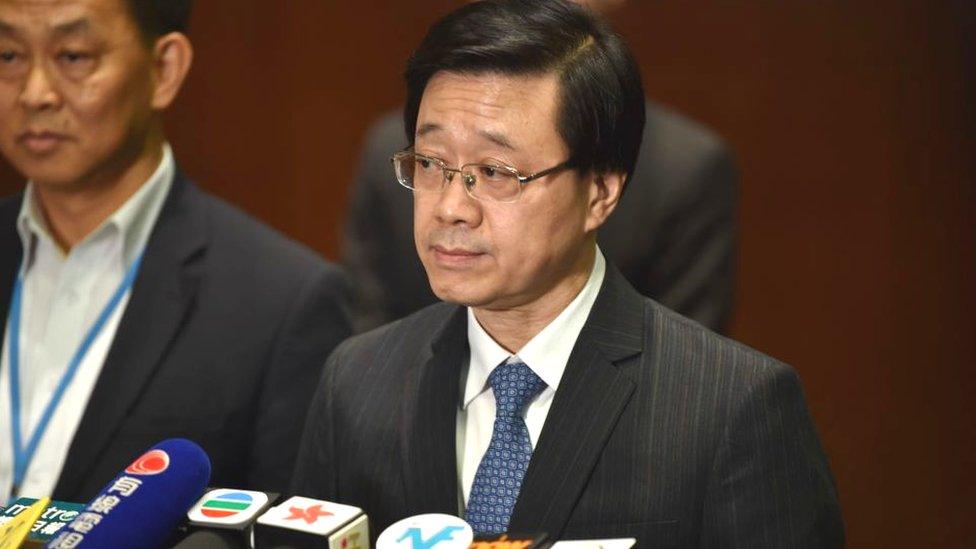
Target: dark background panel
<point>855,129</point>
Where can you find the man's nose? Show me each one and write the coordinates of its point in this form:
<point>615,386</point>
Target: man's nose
<point>40,90</point>
<point>454,204</point>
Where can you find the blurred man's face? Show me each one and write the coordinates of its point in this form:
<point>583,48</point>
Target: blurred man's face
<point>76,86</point>
<point>497,255</point>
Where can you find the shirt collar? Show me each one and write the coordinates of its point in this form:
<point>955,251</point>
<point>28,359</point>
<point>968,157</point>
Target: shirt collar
<point>134,220</point>
<point>547,353</point>
<point>31,227</point>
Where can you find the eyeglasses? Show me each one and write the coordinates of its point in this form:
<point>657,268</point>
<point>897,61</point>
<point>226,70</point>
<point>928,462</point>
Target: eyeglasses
<point>494,182</point>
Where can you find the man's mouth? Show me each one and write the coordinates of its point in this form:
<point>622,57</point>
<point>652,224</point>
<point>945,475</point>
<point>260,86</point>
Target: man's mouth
<point>455,256</point>
<point>41,141</point>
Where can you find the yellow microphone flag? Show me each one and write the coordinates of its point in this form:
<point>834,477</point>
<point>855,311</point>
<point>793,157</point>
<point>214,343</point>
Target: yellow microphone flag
<point>13,533</point>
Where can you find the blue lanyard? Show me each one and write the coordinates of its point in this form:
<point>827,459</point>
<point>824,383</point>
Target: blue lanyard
<point>23,455</point>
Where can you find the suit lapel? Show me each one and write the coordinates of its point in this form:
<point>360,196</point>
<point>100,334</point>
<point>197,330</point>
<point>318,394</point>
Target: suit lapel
<point>162,295</point>
<point>10,258</point>
<point>429,416</point>
<point>592,394</point>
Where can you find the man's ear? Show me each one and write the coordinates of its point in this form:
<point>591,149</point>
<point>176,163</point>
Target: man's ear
<point>605,191</point>
<point>173,55</point>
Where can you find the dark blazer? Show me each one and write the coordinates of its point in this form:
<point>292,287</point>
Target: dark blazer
<point>223,339</point>
<point>660,430</point>
<point>672,236</point>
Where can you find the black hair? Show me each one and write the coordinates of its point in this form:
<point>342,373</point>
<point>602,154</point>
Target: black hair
<point>158,17</point>
<point>601,111</point>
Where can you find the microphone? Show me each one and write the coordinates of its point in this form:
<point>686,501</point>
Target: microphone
<point>55,516</point>
<point>613,543</point>
<point>14,532</point>
<point>143,504</point>
<point>229,512</point>
<point>426,531</point>
<point>305,522</point>
<point>210,539</point>
<point>510,541</point>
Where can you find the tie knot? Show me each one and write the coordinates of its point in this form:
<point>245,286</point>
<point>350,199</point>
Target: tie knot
<point>514,385</point>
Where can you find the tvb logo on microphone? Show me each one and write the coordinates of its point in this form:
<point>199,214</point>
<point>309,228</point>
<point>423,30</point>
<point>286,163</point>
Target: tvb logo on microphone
<point>427,532</point>
<point>227,507</point>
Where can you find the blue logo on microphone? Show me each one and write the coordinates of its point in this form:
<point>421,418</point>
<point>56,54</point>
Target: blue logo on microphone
<point>430,531</point>
<point>418,542</point>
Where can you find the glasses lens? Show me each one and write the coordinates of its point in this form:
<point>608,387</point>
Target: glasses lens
<point>418,172</point>
<point>496,183</point>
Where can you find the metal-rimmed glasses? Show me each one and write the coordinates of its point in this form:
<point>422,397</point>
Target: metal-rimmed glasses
<point>483,181</point>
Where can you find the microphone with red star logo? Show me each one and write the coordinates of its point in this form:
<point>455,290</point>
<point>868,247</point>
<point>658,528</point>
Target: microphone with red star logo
<point>310,514</point>
<point>306,522</point>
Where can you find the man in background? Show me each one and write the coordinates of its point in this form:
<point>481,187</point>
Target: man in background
<point>137,306</point>
<point>673,238</point>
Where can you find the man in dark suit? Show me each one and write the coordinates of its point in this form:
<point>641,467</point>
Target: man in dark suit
<point>138,307</point>
<point>673,238</point>
<point>547,394</point>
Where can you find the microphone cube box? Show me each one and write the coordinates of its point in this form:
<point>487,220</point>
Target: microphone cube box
<point>229,510</point>
<point>304,522</point>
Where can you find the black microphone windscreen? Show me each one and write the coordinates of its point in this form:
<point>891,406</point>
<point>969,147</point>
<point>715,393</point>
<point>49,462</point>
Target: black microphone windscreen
<point>209,539</point>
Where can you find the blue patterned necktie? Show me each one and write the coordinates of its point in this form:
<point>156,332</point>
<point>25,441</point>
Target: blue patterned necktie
<point>499,477</point>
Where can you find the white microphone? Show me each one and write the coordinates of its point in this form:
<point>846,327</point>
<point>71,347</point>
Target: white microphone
<point>229,512</point>
<point>426,532</point>
<point>307,522</point>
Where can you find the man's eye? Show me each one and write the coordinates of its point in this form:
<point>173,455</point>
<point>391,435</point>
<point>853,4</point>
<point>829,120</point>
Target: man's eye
<point>75,63</point>
<point>427,164</point>
<point>491,173</point>
<point>13,63</point>
<point>73,56</point>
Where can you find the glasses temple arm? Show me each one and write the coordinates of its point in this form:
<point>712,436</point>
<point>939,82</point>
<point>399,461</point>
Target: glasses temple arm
<point>543,173</point>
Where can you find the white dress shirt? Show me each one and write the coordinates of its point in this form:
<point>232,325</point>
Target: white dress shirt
<point>62,296</point>
<point>546,354</point>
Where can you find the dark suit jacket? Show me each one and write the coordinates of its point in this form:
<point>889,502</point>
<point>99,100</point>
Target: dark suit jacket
<point>660,430</point>
<point>223,339</point>
<point>672,235</point>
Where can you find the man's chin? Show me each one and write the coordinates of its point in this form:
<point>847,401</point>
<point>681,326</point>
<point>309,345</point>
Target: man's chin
<point>453,297</point>
<point>459,293</point>
<point>53,177</point>
<point>59,180</point>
